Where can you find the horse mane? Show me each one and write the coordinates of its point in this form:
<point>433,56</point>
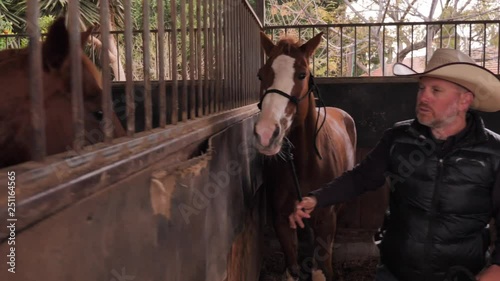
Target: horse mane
<point>286,45</point>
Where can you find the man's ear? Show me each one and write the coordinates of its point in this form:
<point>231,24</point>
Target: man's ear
<point>466,99</point>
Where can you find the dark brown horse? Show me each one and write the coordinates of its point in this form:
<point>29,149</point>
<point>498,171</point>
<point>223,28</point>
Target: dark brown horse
<point>288,111</point>
<point>16,130</point>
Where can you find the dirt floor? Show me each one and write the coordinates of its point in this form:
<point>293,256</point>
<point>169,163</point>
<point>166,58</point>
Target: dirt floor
<point>273,266</point>
<point>355,270</point>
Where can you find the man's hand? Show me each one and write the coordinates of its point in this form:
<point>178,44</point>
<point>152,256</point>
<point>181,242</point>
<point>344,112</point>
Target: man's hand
<point>302,210</point>
<point>492,273</point>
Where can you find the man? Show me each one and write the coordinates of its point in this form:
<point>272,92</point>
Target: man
<point>444,173</point>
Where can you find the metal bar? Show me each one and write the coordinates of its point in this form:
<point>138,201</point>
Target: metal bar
<point>244,56</point>
<point>441,36</point>
<point>397,43</point>
<point>455,34</point>
<point>146,37</point>
<point>129,84</point>
<point>470,36</point>
<point>39,149</point>
<point>206,43</point>
<point>411,62</point>
<point>313,56</point>
<point>225,30</point>
<point>184,93</point>
<point>199,52</point>
<point>212,56</point>
<point>383,52</point>
<point>353,70</point>
<point>76,74</point>
<point>327,52</point>
<point>192,57</point>
<point>369,50</point>
<point>217,46</point>
<point>341,51</point>
<point>484,44</point>
<point>249,58</point>
<point>231,54</point>
<point>161,63</point>
<point>173,65</point>
<point>239,56</point>
<point>107,103</point>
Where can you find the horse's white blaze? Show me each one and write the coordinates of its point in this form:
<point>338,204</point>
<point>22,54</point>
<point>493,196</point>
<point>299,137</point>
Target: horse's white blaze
<point>274,105</point>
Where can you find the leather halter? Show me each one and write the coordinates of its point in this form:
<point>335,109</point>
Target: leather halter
<point>293,99</point>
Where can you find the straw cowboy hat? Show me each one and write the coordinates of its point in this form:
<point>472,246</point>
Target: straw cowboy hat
<point>455,66</point>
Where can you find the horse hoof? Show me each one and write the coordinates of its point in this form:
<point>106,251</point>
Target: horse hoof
<point>317,275</point>
<point>289,276</point>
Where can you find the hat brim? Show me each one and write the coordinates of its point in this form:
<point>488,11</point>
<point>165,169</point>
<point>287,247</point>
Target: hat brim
<point>481,82</point>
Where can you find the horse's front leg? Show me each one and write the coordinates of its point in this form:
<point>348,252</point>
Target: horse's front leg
<point>287,237</point>
<point>325,223</point>
<point>283,205</point>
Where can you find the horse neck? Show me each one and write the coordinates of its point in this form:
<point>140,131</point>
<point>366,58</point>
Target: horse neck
<point>302,137</point>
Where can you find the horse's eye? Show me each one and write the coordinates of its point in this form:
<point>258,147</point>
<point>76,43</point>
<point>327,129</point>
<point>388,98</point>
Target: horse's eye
<point>301,76</point>
<point>98,115</point>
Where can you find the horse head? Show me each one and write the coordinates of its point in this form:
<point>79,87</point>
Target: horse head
<point>57,80</point>
<point>16,130</point>
<point>285,93</point>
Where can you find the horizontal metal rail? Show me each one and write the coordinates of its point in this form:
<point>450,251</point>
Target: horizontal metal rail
<point>371,49</point>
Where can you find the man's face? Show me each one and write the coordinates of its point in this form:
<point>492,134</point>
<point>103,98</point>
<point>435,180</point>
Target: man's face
<point>440,103</point>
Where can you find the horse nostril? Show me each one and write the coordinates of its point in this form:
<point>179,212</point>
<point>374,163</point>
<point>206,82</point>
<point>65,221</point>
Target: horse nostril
<point>276,132</point>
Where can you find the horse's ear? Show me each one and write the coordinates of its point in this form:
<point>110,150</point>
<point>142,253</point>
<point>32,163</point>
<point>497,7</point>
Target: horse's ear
<point>310,46</point>
<point>55,49</point>
<point>266,43</point>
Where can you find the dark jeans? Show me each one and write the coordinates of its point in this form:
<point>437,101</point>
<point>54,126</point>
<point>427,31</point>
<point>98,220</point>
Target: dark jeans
<point>383,274</point>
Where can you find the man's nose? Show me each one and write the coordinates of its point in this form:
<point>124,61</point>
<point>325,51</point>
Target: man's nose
<point>423,95</point>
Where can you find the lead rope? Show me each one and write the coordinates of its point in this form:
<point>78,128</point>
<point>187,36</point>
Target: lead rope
<point>308,231</point>
<point>315,90</point>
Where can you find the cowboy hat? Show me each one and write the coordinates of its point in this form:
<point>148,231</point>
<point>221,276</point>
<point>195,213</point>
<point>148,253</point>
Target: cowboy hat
<point>457,67</point>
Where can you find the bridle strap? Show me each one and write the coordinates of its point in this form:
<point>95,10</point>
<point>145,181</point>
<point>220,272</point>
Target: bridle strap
<point>292,99</point>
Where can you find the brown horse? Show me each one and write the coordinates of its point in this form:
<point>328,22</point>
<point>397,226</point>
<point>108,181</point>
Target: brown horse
<point>320,153</point>
<point>16,130</point>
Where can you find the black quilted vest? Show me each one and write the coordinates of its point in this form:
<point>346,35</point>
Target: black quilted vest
<point>439,204</point>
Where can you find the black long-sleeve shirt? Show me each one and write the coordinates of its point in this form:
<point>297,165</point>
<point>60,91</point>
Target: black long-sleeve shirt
<point>369,175</point>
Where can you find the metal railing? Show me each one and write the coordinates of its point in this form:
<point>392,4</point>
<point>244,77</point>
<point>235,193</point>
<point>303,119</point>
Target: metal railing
<point>358,50</point>
<point>203,62</point>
